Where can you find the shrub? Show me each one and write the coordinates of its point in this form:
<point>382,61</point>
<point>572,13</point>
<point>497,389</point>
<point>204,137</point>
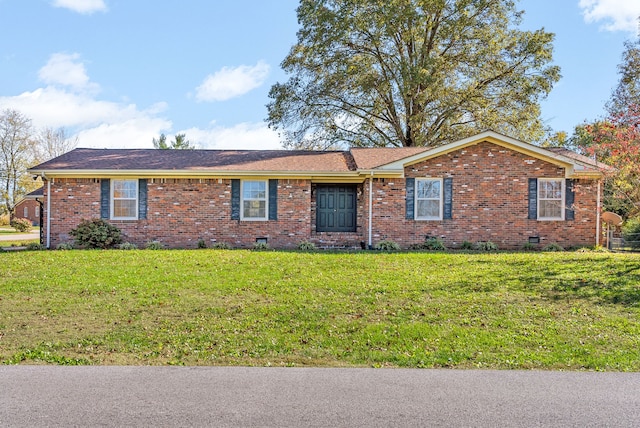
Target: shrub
<point>429,244</point>
<point>64,246</point>
<point>434,244</point>
<point>221,246</point>
<point>528,246</point>
<point>128,246</point>
<point>35,246</point>
<point>4,220</point>
<point>261,246</point>
<point>201,243</point>
<point>21,225</point>
<point>154,245</point>
<point>631,232</point>
<point>386,245</point>
<point>552,247</point>
<point>96,233</point>
<point>306,246</point>
<point>466,245</point>
<point>485,246</point>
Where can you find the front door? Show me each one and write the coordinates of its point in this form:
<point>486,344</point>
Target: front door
<point>336,208</point>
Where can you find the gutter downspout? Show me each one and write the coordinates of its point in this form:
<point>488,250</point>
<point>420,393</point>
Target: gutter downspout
<point>598,216</point>
<point>48,211</point>
<point>370,246</point>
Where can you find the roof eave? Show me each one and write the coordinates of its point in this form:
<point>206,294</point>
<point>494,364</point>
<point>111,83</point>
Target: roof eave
<point>196,173</point>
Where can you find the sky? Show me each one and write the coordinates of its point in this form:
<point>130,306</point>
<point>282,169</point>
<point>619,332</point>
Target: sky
<point>118,73</point>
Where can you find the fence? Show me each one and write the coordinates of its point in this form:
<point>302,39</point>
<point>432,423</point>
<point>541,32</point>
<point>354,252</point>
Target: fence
<point>624,242</point>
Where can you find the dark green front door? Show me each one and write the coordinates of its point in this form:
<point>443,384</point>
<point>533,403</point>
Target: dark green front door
<point>336,208</point>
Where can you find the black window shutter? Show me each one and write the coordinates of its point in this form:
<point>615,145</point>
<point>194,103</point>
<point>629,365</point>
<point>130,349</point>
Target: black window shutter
<point>235,199</point>
<point>142,199</point>
<point>410,202</point>
<point>273,199</point>
<point>448,198</point>
<point>569,213</point>
<point>533,199</point>
<point>105,196</point>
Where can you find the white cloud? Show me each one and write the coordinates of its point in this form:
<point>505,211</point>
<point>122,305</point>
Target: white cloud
<point>230,82</point>
<point>65,69</point>
<point>66,103</point>
<point>243,136</point>
<point>616,15</point>
<point>85,7</point>
<point>97,123</point>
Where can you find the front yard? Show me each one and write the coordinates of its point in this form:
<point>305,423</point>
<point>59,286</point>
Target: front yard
<point>560,311</point>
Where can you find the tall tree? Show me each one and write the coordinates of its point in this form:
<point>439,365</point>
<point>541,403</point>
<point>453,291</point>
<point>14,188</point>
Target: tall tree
<point>180,142</point>
<point>627,92</point>
<point>616,141</point>
<point>15,157</point>
<point>410,73</point>
<point>51,143</point>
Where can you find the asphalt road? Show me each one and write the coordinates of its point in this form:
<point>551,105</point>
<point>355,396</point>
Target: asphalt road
<point>34,396</point>
<point>19,236</point>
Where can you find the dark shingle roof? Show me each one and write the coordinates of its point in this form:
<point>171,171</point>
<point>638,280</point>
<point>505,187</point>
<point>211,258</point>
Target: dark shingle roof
<point>199,160</point>
<point>577,156</point>
<point>370,158</point>
<point>38,193</point>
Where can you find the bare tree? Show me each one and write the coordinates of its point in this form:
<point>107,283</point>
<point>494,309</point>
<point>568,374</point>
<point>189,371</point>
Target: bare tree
<point>15,157</point>
<point>51,143</point>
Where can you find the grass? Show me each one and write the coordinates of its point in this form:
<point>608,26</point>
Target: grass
<point>20,243</point>
<point>560,311</point>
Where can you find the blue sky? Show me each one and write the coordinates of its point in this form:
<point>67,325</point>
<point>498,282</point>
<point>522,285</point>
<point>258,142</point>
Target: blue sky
<point>117,73</point>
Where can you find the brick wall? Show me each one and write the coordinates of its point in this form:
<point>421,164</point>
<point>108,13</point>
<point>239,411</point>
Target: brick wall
<point>32,210</point>
<point>183,211</point>
<point>490,203</point>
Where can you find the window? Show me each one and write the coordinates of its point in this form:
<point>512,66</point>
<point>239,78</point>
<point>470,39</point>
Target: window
<point>428,199</point>
<point>254,200</point>
<point>38,210</point>
<point>124,199</point>
<point>26,212</point>
<point>550,199</point>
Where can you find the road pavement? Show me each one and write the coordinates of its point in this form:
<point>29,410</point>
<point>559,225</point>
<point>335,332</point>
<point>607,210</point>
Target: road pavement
<point>37,396</point>
<point>19,236</point>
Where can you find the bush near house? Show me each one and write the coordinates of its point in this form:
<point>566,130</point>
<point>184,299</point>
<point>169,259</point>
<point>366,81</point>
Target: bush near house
<point>96,233</point>
<point>21,225</point>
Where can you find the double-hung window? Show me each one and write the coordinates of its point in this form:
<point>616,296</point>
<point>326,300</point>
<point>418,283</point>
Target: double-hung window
<point>254,200</point>
<point>550,199</point>
<point>428,199</point>
<point>124,199</point>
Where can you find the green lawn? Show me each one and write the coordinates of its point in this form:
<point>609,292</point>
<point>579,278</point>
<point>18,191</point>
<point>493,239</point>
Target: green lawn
<point>560,311</point>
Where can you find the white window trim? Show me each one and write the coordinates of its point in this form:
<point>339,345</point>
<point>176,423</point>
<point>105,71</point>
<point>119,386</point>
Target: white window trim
<point>266,199</point>
<point>112,199</point>
<point>562,200</point>
<point>415,203</point>
<point>26,211</point>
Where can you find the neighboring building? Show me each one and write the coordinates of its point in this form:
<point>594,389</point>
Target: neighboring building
<point>488,187</point>
<point>29,207</point>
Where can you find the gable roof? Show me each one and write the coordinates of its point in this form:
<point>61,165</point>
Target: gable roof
<point>575,165</point>
<point>348,165</point>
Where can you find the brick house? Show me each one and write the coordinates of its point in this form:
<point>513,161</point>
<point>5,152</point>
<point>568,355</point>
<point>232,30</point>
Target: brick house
<point>29,206</point>
<point>488,187</point>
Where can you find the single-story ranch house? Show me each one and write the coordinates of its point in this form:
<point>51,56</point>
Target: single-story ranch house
<point>488,187</point>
